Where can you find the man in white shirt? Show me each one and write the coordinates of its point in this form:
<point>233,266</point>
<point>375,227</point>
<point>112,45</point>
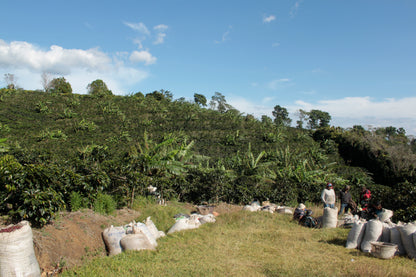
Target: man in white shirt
<point>328,196</point>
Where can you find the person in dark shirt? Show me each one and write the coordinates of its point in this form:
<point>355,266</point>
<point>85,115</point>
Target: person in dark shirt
<point>346,198</point>
<point>374,210</point>
<point>299,212</point>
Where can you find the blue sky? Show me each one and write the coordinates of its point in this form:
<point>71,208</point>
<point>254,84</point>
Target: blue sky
<point>353,59</point>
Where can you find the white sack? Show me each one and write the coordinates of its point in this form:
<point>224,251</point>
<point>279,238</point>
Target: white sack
<point>112,237</point>
<point>153,229</point>
<point>17,255</point>
<point>330,218</point>
<point>137,241</point>
<point>284,210</point>
<point>132,228</point>
<point>385,234</point>
<point>209,218</point>
<point>373,231</point>
<point>406,234</point>
<point>184,224</point>
<point>356,234</point>
<point>251,208</point>
<point>385,215</point>
<point>395,238</point>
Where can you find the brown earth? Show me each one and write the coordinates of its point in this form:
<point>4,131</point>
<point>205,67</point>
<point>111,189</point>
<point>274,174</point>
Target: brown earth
<point>77,236</point>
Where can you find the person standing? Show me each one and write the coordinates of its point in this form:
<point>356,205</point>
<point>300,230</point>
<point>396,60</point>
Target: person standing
<point>346,198</point>
<point>365,198</point>
<point>328,196</point>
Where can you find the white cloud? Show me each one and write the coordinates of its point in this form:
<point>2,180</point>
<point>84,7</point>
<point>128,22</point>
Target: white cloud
<point>225,35</point>
<point>268,19</point>
<point>21,54</point>
<point>160,38</point>
<point>276,44</point>
<point>160,33</point>
<point>249,107</point>
<point>80,67</point>
<point>142,56</point>
<point>278,83</point>
<point>357,107</point>
<point>349,111</point>
<point>295,8</point>
<point>139,27</point>
<point>345,112</point>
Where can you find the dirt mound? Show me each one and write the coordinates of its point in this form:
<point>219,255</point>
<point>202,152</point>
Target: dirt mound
<point>74,236</point>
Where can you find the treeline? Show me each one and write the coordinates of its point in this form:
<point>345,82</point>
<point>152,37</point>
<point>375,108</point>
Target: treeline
<point>67,151</point>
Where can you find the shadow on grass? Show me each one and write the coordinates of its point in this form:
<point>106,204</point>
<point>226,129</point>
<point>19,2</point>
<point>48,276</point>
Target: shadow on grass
<point>336,241</point>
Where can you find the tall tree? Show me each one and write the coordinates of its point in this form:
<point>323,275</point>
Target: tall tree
<point>302,118</point>
<point>219,103</point>
<point>46,81</point>
<point>98,88</point>
<point>60,85</point>
<point>281,116</point>
<point>10,80</point>
<point>318,119</point>
<point>200,99</point>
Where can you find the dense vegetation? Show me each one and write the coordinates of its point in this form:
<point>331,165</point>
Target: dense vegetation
<point>60,150</point>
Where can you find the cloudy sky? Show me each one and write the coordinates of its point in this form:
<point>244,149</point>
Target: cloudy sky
<point>354,59</point>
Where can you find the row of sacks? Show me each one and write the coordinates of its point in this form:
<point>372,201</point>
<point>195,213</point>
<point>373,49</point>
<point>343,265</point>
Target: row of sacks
<point>143,236</point>
<point>330,218</point>
<point>365,233</point>
<point>266,206</point>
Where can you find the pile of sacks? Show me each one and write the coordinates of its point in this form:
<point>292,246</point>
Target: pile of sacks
<point>185,222</point>
<point>143,236</point>
<point>381,229</point>
<point>266,206</point>
<point>133,236</point>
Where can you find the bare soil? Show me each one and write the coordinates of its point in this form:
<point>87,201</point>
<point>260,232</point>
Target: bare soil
<point>74,237</point>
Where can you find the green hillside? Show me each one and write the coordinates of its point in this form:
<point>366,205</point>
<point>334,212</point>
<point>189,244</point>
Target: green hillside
<point>66,151</point>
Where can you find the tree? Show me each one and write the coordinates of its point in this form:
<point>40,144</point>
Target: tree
<point>302,117</point>
<point>98,88</point>
<point>200,99</point>
<point>219,103</point>
<point>161,95</point>
<point>60,85</point>
<point>10,81</point>
<point>318,119</point>
<point>281,116</point>
<point>46,81</point>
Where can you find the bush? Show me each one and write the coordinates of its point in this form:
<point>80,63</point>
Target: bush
<point>77,202</point>
<point>60,86</point>
<point>38,207</point>
<point>104,204</point>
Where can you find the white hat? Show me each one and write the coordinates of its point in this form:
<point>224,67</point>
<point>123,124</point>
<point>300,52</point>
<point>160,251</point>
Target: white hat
<point>301,206</point>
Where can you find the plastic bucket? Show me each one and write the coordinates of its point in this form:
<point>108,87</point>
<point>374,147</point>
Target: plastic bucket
<point>383,250</point>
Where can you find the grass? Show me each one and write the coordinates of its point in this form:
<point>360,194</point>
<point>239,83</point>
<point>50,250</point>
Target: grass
<point>249,244</point>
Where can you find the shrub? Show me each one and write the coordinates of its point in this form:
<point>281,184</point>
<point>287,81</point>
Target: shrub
<point>104,204</point>
<point>60,86</point>
<point>77,202</point>
<point>39,207</point>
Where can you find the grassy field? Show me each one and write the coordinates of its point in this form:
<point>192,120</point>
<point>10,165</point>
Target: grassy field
<point>249,244</point>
